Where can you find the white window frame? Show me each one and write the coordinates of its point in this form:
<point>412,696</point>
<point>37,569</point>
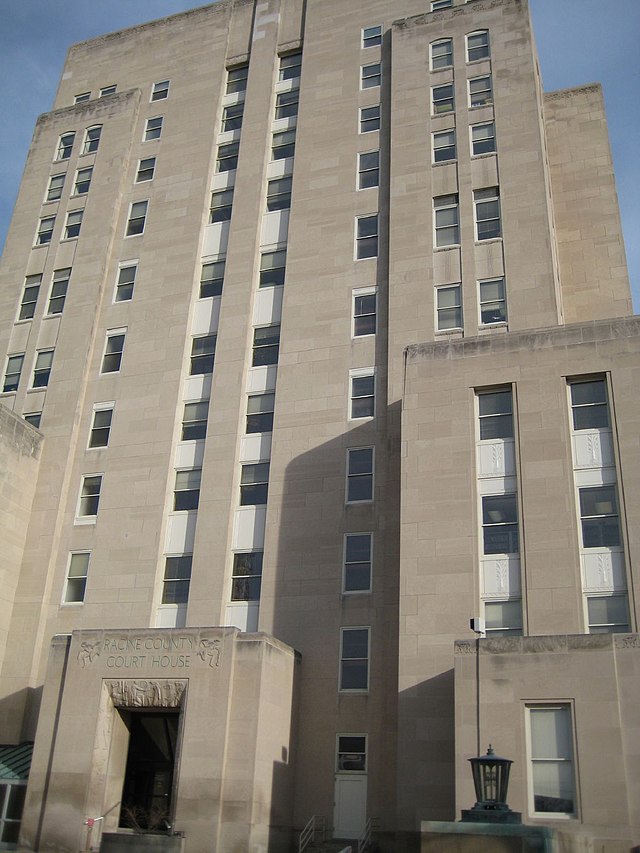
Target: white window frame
<point>91,141</point>
<point>97,408</point>
<point>507,417</point>
<point>473,142</point>
<point>56,185</point>
<point>442,203</point>
<point>81,183</point>
<point>131,218</point>
<point>191,487</point>
<point>125,265</point>
<point>487,195</point>
<point>46,356</point>
<point>227,207</point>
<point>81,518</point>
<point>345,564</point>
<point>143,170</point>
<point>370,78</point>
<point>186,422</point>
<point>440,288</point>
<point>441,4</point>
<point>339,752</point>
<point>564,706</point>
<point>69,577</point>
<point>360,238</point>
<point>112,333</point>
<point>342,659</point>
<point>29,301</point>
<point>82,97</point>
<point>236,576</point>
<point>355,294</point>
<point>168,578</point>
<point>232,116</point>
<point>108,90</point>
<point>44,235</point>
<point>354,375</point>
<point>607,627</point>
<point>152,133</point>
<point>575,407</point>
<point>439,61</point>
<point>371,474</point>
<point>487,45</point>
<point>365,171</point>
<point>449,100</point>
<point>287,104</point>
<point>287,70</point>
<point>289,146</point>
<point>503,300</point>
<point>434,147</point>
<point>371,34</point>
<point>227,157</point>
<point>482,97</point>
<point>73,224</point>
<point>362,121</point>
<point>216,261</point>
<point>270,253</point>
<point>496,525</point>
<point>233,78</point>
<point>18,373</point>
<point>160,90</point>
<point>64,148</point>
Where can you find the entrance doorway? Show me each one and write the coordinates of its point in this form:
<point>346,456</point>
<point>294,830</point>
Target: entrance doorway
<point>350,790</point>
<point>148,781</point>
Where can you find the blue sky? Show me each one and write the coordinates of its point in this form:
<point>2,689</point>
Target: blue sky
<point>579,41</point>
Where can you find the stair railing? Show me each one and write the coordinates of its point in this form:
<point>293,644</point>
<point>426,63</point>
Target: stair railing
<point>316,824</point>
<point>364,842</point>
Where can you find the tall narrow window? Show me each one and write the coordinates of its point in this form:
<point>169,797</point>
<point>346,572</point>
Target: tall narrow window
<point>370,75</point>
<point>237,79</point>
<point>272,268</point>
<point>487,205</point>
<point>221,203</point>
<point>608,614</point>
<point>371,37</point>
<point>368,169</point>
<point>153,129</point>
<point>360,475</point>
<point>441,53</point>
<point>449,307</point>
<point>203,353</point>
<point>12,372</point>
<point>260,412</point>
<point>480,91</point>
<point>212,278</point>
<point>444,146</point>
<point>446,220</point>
<point>266,345</point>
<point>599,518</point>
<point>589,407</point>
<point>113,351</point>
<point>29,297</point>
<point>92,139</point>
<point>477,45</point>
<point>160,90</point>
<point>83,181</point>
<point>126,282</point>
<point>101,425</point>
<point>442,99</point>
<point>65,145</point>
<point>227,159</point>
<point>367,237</point>
<point>90,496</point>
<point>137,218</point>
<point>364,312</point>
<point>354,659</point>
<point>254,484</point>
<point>73,224</point>
<point>146,169</point>
<point>493,304</point>
<point>54,190</point>
<point>283,144</point>
<point>45,230</point>
<point>59,287</point>
<point>247,576</point>
<point>483,138</point>
<point>287,104</point>
<point>177,577</point>
<point>551,755</point>
<point>194,420</point>
<point>279,194</point>
<point>77,571</point>
<point>369,118</point>
<point>232,117</point>
<point>290,66</point>
<point>42,369</point>
<point>186,494</point>
<point>495,414</point>
<point>362,394</point>
<point>500,524</point>
<point>357,562</point>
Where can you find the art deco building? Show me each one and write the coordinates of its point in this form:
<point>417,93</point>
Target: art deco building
<point>316,342</point>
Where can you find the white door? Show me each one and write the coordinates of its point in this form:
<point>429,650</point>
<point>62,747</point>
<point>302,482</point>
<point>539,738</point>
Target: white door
<point>350,805</point>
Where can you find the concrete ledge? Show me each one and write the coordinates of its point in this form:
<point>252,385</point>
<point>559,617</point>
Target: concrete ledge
<point>456,837</point>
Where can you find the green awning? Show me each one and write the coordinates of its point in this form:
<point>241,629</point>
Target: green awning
<point>15,762</point>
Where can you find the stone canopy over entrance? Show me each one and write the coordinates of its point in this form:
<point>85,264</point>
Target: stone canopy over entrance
<point>218,704</point>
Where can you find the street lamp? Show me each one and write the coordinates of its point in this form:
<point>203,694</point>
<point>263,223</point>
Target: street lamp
<point>491,781</point>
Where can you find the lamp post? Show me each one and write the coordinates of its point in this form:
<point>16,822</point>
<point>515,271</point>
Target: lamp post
<point>491,781</point>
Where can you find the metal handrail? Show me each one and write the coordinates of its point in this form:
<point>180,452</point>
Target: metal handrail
<point>364,842</point>
<point>315,824</point>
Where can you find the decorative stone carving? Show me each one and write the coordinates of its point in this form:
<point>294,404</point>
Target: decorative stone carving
<point>209,651</point>
<point>88,652</point>
<point>146,693</point>
<point>630,641</point>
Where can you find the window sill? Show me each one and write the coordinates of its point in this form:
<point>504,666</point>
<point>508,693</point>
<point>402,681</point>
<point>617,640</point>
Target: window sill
<point>480,106</point>
<point>488,240</point>
<point>359,503</point>
<point>483,156</point>
<point>446,248</point>
<point>488,327</point>
<point>66,604</point>
<point>68,239</point>
<point>443,333</point>
<point>445,162</point>
<point>48,201</point>
<point>85,519</point>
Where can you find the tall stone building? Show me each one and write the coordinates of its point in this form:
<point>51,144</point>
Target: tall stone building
<point>316,341</point>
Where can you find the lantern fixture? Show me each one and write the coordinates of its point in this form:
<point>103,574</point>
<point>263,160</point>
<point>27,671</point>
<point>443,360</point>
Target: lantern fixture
<point>491,781</point>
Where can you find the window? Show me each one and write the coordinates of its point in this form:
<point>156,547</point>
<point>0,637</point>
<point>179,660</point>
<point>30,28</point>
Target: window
<point>212,278</point>
<point>227,159</point>
<point>12,373</point>
<point>487,205</point>
<point>368,169</point>
<point>153,129</point>
<point>599,517</point>
<point>45,230</point>
<point>146,169</point>
<point>551,752</point>
<point>126,282</point>
<point>194,421</point>
<point>449,307</point>
<point>357,562</point>
<point>72,226</point>
<point>260,412</point>
<point>352,754</point>
<point>12,796</point>
<point>54,191</point>
<point>266,345</point>
<point>442,100</point>
<point>589,407</point>
<point>446,220</point>
<point>107,90</point>
<point>186,494</point>
<point>608,614</point>
<point>483,138</point>
<point>283,144</point>
<point>354,659</point>
<point>247,576</point>
<point>92,139</point>
<point>360,475</point>
<point>367,237</point>
<point>113,351</point>
<point>29,297</point>
<point>90,495</point>
<point>232,117</point>
<point>221,203</point>
<point>33,418</point>
<point>203,353</point>
<point>273,268</point>
<point>493,305</point>
<point>160,91</point>
<point>371,36</point>
<point>137,218</point>
<point>290,66</point>
<point>83,180</point>
<point>364,313</point>
<point>477,45</point>
<point>65,144</point>
<point>444,146</point>
<point>441,53</point>
<point>495,414</point>
<point>440,4</point>
<point>369,118</point>
<point>42,369</point>
<point>370,75</point>
<point>177,574</point>
<point>84,96</point>
<point>503,618</point>
<point>287,104</point>
<point>499,524</point>
<point>279,194</point>
<point>237,78</point>
<point>480,91</point>
<point>254,484</point>
<point>362,394</point>
<point>77,572</point>
<point>101,425</point>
